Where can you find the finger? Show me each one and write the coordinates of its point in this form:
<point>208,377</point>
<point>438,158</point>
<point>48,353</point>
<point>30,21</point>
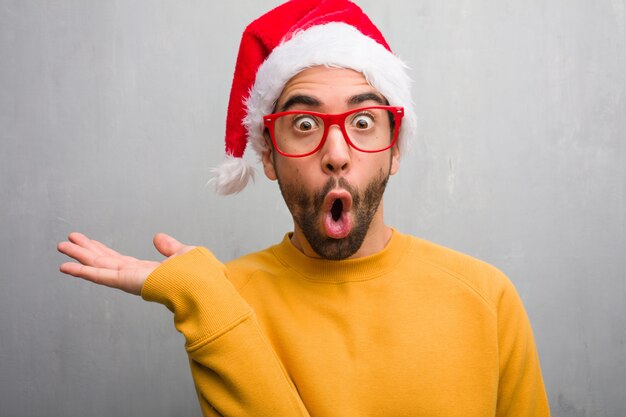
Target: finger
<point>101,276</point>
<point>83,241</point>
<point>168,246</point>
<point>104,248</point>
<point>97,275</point>
<point>110,252</point>
<point>98,247</point>
<point>87,257</point>
<point>82,255</point>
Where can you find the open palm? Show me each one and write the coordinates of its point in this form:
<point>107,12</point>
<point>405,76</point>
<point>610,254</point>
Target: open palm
<point>102,265</point>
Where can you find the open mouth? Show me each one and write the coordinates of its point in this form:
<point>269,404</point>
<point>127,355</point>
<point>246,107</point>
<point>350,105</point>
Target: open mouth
<point>337,221</point>
<point>336,209</point>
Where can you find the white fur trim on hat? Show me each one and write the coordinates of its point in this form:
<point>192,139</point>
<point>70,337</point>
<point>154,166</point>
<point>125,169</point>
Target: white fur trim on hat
<point>232,175</point>
<point>334,44</point>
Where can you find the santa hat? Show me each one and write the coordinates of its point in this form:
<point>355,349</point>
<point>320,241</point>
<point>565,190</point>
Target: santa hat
<point>294,36</point>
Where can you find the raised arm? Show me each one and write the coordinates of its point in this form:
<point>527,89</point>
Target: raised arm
<point>235,369</point>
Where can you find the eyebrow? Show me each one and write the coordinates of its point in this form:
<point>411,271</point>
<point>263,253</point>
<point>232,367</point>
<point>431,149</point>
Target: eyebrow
<point>313,102</point>
<point>360,98</point>
<point>299,99</point>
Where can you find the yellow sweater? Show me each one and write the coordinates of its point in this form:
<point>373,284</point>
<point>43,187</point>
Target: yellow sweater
<point>415,330</point>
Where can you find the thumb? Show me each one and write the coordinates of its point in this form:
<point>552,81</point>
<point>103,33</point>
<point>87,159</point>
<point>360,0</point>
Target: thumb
<point>168,246</point>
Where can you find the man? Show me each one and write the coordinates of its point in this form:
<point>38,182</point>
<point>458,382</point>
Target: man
<point>346,316</point>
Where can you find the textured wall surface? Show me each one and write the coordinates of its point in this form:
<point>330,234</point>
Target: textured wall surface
<point>112,113</point>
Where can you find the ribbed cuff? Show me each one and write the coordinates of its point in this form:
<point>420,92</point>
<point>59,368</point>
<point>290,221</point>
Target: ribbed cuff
<point>195,288</point>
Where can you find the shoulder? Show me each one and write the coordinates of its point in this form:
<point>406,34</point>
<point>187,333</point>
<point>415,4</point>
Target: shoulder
<point>487,281</point>
<point>241,270</point>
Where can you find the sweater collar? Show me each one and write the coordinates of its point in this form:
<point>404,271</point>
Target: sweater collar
<point>348,270</point>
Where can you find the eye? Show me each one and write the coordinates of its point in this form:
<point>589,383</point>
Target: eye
<point>305,123</point>
<point>363,121</point>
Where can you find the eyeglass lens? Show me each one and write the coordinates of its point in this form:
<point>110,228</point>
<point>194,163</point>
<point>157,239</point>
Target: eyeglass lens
<point>301,133</point>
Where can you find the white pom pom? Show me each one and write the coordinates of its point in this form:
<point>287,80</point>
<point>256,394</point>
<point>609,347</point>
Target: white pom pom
<point>232,175</point>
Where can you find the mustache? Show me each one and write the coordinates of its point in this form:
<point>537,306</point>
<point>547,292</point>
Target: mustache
<point>332,183</point>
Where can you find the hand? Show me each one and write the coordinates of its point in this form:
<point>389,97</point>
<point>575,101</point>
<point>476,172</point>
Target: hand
<point>104,266</point>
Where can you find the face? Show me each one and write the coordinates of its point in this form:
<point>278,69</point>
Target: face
<point>334,195</point>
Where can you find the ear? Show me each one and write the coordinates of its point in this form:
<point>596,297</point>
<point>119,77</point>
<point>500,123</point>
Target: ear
<point>267,158</point>
<point>395,159</point>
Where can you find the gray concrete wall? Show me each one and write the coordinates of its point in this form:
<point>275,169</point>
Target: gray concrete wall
<point>112,113</point>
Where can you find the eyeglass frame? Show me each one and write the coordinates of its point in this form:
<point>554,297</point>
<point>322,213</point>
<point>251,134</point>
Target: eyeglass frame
<point>335,119</point>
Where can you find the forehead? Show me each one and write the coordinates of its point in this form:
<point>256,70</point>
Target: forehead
<point>326,84</point>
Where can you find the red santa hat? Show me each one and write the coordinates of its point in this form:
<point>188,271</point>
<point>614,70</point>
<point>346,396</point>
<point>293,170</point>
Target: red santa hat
<point>294,36</point>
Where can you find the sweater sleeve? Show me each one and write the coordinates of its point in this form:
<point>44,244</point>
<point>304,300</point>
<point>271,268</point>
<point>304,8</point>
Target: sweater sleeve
<point>521,391</point>
<point>235,370</point>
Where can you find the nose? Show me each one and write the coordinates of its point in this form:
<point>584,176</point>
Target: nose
<point>336,152</point>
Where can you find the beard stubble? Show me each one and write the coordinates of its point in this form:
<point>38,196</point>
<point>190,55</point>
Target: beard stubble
<point>306,209</point>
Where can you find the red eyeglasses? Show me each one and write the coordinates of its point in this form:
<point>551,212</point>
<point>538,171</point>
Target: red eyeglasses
<point>367,129</point>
